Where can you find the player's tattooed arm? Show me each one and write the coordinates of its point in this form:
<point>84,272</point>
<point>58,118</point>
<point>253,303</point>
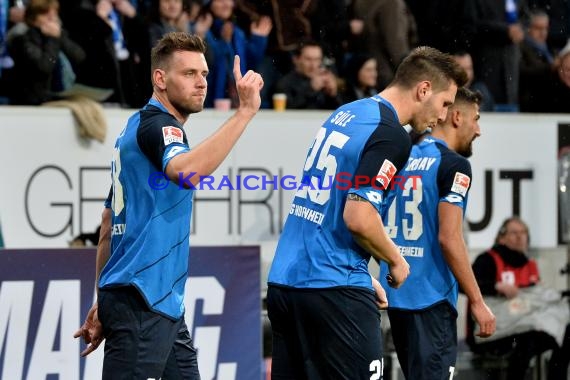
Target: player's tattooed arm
<point>355,197</point>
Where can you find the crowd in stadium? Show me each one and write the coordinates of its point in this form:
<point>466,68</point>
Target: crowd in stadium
<point>320,53</point>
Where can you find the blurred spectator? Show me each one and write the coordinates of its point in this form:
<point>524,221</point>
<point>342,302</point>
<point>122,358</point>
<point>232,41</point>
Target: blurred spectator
<point>559,93</point>
<point>11,13</point>
<point>330,29</point>
<point>130,39</point>
<point>553,93</point>
<point>115,40</point>
<point>199,22</point>
<point>225,39</point>
<point>45,58</point>
<point>310,85</point>
<point>464,60</point>
<point>497,35</point>
<point>537,61</point>
<point>559,14</point>
<point>95,35</point>
<point>292,25</point>
<point>166,16</point>
<point>503,271</point>
<point>361,76</point>
<point>440,24</point>
<point>386,33</point>
<point>177,16</point>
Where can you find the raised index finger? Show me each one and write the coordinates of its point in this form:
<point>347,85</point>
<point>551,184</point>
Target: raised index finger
<point>237,69</point>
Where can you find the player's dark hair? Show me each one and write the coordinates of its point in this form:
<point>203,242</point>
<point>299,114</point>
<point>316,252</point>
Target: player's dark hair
<point>464,95</point>
<point>173,42</point>
<point>425,63</point>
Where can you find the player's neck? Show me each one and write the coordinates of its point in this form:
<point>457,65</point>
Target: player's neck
<point>445,135</point>
<point>401,101</point>
<point>169,107</point>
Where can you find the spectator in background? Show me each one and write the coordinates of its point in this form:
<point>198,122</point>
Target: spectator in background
<point>44,56</point>
<point>466,62</point>
<point>310,85</point>
<point>11,13</point>
<point>95,35</point>
<point>497,34</point>
<point>559,93</point>
<point>553,92</point>
<point>330,29</point>
<point>177,16</point>
<point>559,15</point>
<point>225,39</point>
<point>115,39</point>
<point>537,61</point>
<point>387,33</point>
<point>199,22</point>
<point>361,76</point>
<point>440,24</point>
<point>501,272</point>
<point>166,16</point>
<point>292,25</point>
<point>130,39</point>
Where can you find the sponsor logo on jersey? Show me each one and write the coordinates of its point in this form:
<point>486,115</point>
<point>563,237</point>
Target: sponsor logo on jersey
<point>453,198</point>
<point>171,135</point>
<point>461,183</point>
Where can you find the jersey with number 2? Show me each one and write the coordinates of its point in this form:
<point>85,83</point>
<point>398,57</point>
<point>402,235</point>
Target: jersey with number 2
<point>433,174</point>
<point>357,150</point>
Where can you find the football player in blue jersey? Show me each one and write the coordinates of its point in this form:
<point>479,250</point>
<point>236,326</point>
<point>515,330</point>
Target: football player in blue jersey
<point>424,217</point>
<point>321,300</point>
<point>142,257</point>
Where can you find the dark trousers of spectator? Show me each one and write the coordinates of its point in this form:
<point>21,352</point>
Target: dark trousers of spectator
<point>521,348</point>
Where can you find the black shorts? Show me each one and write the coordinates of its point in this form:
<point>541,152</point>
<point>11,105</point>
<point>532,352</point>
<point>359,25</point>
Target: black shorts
<point>426,341</point>
<point>141,344</point>
<point>324,334</point>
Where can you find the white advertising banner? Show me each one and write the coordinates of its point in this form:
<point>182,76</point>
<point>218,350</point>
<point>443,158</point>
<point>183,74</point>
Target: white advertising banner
<point>54,182</point>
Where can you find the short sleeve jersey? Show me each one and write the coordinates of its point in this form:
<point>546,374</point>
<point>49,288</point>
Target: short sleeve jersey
<point>357,150</point>
<point>433,174</point>
<point>151,215</point>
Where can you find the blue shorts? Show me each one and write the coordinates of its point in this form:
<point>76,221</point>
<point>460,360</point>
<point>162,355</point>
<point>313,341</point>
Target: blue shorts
<point>141,344</point>
<point>426,341</point>
<point>323,334</point>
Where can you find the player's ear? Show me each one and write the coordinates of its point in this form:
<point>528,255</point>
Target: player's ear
<point>423,90</point>
<point>159,78</point>
<point>456,117</point>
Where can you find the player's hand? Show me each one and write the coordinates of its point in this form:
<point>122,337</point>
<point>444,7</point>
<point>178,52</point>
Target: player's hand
<point>249,89</point>
<point>484,318</point>
<point>91,331</point>
<point>399,271</point>
<point>381,298</point>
